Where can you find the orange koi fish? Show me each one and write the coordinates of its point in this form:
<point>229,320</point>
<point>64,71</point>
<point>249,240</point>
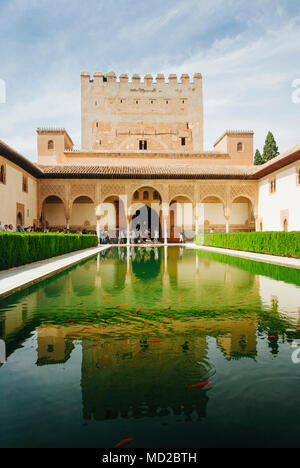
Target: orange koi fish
<point>123,442</point>
<point>200,384</point>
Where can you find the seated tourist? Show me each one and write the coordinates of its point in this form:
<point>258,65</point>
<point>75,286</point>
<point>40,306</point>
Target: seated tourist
<point>19,228</point>
<point>1,227</point>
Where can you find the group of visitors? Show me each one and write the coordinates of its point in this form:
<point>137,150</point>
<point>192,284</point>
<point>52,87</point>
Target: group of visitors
<point>46,229</point>
<point>137,236</point>
<point>134,236</point>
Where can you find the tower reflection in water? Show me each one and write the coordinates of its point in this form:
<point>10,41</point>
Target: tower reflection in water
<point>150,322</point>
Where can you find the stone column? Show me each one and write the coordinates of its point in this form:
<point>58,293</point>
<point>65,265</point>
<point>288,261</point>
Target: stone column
<point>98,218</point>
<point>165,230</point>
<point>227,224</point>
<point>227,217</point>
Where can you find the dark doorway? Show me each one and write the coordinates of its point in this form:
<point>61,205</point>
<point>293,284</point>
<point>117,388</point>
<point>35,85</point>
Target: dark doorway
<point>146,219</point>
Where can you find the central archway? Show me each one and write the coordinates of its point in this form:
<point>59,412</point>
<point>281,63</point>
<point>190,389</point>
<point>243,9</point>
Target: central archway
<point>146,214</point>
<point>146,223</point>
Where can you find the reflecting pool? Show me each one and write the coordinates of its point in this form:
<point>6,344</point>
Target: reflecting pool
<point>168,346</point>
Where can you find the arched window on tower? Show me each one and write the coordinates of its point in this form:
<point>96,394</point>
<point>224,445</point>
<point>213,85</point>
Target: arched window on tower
<point>136,195</point>
<point>146,195</point>
<point>50,145</point>
<point>240,147</point>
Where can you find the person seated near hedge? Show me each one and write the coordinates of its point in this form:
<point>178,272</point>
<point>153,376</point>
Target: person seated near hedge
<point>1,227</point>
<point>19,228</point>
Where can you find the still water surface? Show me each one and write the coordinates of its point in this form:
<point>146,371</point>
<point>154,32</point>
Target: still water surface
<point>112,349</point>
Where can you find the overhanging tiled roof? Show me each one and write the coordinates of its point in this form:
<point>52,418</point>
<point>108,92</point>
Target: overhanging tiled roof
<point>144,172</point>
<point>135,171</point>
<point>16,158</point>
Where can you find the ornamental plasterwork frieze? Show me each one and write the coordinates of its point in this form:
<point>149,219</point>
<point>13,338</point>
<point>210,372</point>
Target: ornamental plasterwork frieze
<point>112,189</point>
<point>176,190</point>
<point>212,190</point>
<point>80,190</point>
<point>48,189</point>
<point>243,190</point>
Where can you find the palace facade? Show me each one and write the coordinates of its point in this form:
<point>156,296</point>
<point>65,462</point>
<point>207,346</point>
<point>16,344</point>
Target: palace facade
<point>142,162</point>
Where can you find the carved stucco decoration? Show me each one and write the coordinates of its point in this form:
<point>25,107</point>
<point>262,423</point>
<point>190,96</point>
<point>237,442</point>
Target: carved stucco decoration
<point>112,189</point>
<point>243,190</point>
<point>212,190</point>
<point>49,189</point>
<point>176,190</point>
<point>160,187</point>
<point>80,190</point>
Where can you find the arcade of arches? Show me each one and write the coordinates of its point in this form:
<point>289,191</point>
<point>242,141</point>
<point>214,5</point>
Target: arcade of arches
<point>163,208</point>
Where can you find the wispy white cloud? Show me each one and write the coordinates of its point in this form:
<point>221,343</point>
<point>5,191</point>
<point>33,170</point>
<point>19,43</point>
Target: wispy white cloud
<point>247,52</point>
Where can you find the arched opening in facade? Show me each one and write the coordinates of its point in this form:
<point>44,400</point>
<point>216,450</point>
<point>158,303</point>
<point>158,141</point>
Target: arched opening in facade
<point>213,214</point>
<point>180,219</point>
<point>83,217</point>
<point>146,214</point>
<point>53,213</point>
<point>242,215</point>
<point>50,145</point>
<point>285,225</point>
<point>19,218</point>
<point>113,220</point>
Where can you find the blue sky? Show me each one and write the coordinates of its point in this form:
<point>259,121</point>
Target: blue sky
<point>248,53</point>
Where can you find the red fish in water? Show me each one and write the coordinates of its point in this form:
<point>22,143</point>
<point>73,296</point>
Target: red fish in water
<point>82,313</point>
<point>200,384</point>
<point>122,305</point>
<point>123,442</point>
<point>146,323</point>
<point>170,316</point>
<point>155,341</point>
<point>180,298</point>
<point>139,310</point>
<point>272,337</point>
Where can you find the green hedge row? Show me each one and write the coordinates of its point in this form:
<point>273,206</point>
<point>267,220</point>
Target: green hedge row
<point>286,244</point>
<point>18,248</point>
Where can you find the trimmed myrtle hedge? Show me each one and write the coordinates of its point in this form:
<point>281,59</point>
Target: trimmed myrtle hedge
<point>286,244</point>
<point>18,248</point>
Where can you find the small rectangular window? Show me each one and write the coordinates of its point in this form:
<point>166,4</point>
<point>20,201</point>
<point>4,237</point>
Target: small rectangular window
<point>25,183</point>
<point>183,141</point>
<point>272,184</point>
<point>3,174</point>
<point>143,145</point>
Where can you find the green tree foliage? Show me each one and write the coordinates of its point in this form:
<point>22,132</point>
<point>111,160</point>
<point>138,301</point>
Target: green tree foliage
<point>258,158</point>
<point>270,148</point>
<point>270,151</point>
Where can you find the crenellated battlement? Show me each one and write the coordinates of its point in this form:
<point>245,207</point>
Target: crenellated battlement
<point>147,112</point>
<point>148,79</point>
